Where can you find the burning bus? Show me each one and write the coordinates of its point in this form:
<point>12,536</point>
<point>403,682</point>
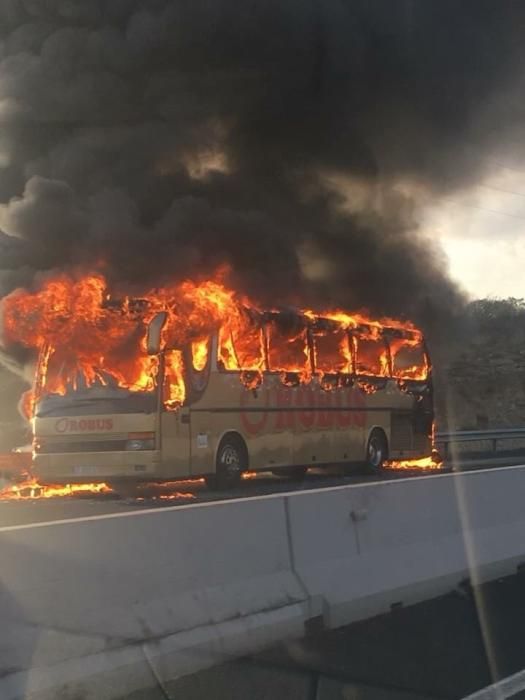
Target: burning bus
<point>194,380</point>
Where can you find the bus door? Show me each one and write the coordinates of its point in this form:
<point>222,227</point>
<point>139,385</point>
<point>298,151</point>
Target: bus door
<point>198,365</point>
<point>175,418</point>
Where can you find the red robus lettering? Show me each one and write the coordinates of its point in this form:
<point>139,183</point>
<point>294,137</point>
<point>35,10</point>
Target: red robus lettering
<point>305,397</point>
<point>343,418</point>
<point>253,422</point>
<point>325,419</point>
<point>284,418</point>
<point>61,425</point>
<point>356,400</point>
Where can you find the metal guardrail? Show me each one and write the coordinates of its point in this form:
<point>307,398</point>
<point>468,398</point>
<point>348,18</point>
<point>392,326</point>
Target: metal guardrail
<point>493,436</point>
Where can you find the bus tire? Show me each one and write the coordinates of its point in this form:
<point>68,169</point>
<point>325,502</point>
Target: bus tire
<point>376,452</point>
<point>293,473</point>
<point>231,461</point>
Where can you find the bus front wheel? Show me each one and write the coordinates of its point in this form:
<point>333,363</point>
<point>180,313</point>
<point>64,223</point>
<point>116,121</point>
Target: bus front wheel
<point>231,462</point>
<point>376,452</point>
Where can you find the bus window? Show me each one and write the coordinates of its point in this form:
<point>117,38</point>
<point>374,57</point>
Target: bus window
<point>371,357</point>
<point>408,359</point>
<point>332,352</point>
<point>199,354</point>
<point>174,385</point>
<point>287,350</point>
<point>241,349</point>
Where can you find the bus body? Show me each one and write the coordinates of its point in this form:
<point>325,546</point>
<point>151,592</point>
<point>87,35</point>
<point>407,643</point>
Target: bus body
<point>279,419</point>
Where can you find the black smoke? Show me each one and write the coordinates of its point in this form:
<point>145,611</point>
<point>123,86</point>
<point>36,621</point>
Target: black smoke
<point>159,139</point>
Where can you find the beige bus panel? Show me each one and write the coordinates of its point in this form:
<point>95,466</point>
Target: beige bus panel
<point>285,425</point>
<point>329,426</point>
<point>70,467</point>
<point>253,414</point>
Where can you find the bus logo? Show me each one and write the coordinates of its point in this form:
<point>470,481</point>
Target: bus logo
<point>301,408</point>
<point>92,425</point>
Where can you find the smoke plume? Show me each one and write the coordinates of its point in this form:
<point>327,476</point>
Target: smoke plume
<point>289,139</point>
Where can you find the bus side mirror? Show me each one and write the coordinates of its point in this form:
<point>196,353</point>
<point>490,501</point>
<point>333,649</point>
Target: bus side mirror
<point>155,327</point>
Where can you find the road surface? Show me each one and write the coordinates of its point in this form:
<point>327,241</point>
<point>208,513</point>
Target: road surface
<point>194,492</point>
<point>183,493</point>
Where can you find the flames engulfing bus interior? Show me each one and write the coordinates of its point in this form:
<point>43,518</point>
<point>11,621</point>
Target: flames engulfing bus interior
<point>88,340</point>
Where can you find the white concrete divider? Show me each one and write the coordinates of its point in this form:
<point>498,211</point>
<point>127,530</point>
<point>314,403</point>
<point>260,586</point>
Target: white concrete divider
<point>360,550</point>
<point>158,592</point>
<point>106,605</point>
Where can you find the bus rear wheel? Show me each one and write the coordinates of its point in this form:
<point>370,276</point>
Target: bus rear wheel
<point>230,463</point>
<point>376,452</point>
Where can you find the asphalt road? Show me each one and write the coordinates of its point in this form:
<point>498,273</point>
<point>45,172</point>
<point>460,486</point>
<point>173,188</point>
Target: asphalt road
<point>441,649</point>
<point>183,493</point>
<point>192,493</point>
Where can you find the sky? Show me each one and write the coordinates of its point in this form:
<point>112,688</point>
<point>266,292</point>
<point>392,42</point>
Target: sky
<point>482,232</point>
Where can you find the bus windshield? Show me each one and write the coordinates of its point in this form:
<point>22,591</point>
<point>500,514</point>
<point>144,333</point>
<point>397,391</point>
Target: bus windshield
<point>67,384</point>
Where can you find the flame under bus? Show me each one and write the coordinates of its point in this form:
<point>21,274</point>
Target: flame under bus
<point>288,390</point>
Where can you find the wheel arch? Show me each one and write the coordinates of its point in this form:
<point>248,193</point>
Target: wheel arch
<point>239,438</point>
<point>378,429</point>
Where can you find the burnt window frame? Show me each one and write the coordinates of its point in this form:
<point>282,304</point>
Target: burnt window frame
<point>362,380</point>
<point>275,317</point>
<point>424,352</point>
<point>224,370</point>
<point>338,380</point>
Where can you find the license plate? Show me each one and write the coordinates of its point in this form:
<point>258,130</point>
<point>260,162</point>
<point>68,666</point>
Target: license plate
<point>84,470</point>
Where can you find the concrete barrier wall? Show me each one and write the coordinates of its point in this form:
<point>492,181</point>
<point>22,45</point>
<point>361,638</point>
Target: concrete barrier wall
<point>107,605</point>
<point>192,583</point>
<point>360,550</point>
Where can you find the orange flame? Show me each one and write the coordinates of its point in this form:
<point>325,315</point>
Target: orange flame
<point>86,338</point>
<point>31,489</point>
<point>199,354</point>
<point>424,463</point>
